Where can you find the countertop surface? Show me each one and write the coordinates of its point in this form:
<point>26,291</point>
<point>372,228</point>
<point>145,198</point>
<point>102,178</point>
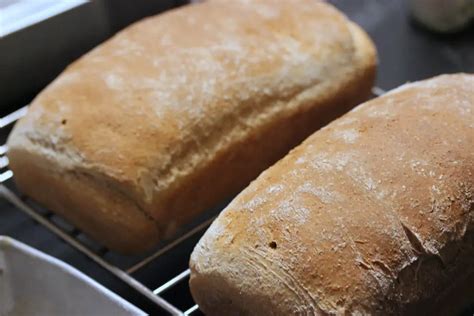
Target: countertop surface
<point>406,53</point>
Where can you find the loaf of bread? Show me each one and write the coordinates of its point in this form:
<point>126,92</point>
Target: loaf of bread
<point>373,214</point>
<point>182,110</point>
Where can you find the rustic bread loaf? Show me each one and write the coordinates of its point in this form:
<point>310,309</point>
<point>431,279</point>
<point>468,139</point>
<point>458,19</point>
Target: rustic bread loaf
<point>373,214</point>
<point>182,110</point>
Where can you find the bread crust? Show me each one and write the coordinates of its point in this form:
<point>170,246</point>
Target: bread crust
<point>373,214</point>
<point>182,110</point>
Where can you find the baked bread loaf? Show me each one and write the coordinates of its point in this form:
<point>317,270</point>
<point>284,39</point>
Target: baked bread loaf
<point>182,110</point>
<point>372,215</point>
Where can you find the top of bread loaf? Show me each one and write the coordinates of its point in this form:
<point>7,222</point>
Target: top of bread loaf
<point>136,109</point>
<point>361,217</point>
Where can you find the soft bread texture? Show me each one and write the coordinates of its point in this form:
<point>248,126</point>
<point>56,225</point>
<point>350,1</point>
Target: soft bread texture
<point>373,214</point>
<point>182,110</point>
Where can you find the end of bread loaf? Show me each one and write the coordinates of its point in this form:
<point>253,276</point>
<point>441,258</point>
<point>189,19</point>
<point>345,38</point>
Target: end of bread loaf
<point>240,279</point>
<point>365,51</point>
<point>52,178</point>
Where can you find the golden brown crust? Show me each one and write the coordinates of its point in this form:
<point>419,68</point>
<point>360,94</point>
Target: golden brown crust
<point>180,111</point>
<point>373,214</point>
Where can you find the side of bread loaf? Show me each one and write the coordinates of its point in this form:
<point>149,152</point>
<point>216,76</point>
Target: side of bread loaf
<point>373,214</point>
<point>182,110</point>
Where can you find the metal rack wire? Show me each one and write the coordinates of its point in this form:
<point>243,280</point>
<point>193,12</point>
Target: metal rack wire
<point>98,254</point>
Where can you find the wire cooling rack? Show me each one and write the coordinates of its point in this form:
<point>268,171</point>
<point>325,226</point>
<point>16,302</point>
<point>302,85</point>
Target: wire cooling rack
<point>124,268</point>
